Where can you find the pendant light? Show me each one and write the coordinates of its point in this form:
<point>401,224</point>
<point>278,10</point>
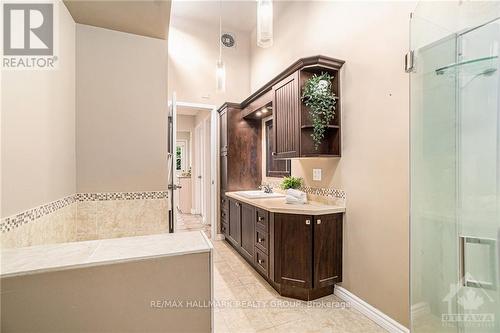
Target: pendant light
<point>264,23</point>
<point>220,69</point>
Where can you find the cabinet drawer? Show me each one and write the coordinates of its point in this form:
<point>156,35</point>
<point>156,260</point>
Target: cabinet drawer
<point>262,262</point>
<point>262,222</point>
<point>261,240</point>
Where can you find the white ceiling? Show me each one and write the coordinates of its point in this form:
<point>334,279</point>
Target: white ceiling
<point>240,15</point>
<point>190,111</point>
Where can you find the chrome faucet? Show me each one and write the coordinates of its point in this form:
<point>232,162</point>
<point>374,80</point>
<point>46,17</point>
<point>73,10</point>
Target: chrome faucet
<point>266,188</point>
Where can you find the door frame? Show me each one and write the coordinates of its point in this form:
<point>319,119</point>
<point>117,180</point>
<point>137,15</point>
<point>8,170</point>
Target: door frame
<point>199,166</point>
<point>214,163</point>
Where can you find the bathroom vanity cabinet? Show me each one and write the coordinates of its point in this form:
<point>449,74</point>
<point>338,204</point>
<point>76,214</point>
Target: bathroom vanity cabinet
<point>299,255</point>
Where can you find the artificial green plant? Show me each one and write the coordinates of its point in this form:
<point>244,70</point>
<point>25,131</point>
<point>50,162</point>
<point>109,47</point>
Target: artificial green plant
<point>319,97</point>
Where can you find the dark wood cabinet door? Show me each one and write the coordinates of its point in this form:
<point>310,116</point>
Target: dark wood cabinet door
<point>327,250</point>
<point>293,234</point>
<point>248,217</point>
<point>234,225</point>
<point>274,167</point>
<point>286,117</point>
<point>223,173</point>
<point>223,130</point>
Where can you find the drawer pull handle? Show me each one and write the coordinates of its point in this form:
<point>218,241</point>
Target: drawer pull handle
<point>308,222</point>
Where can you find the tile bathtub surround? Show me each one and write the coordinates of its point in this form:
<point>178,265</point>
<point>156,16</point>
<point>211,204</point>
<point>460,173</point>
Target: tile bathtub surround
<point>58,226</point>
<point>30,215</point>
<point>122,196</point>
<point>86,216</point>
<point>101,219</point>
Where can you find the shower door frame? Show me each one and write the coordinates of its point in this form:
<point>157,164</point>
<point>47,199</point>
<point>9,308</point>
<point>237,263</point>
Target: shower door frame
<point>460,238</point>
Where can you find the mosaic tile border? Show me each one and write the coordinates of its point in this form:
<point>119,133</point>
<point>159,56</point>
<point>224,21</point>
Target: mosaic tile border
<point>122,196</point>
<point>321,191</point>
<point>33,214</point>
<point>30,215</point>
<point>324,191</point>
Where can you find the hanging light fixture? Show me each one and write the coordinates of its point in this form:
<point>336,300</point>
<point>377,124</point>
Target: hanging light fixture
<point>220,69</point>
<point>264,23</point>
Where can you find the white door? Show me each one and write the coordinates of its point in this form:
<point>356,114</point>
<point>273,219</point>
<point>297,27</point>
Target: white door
<point>198,200</point>
<point>171,147</point>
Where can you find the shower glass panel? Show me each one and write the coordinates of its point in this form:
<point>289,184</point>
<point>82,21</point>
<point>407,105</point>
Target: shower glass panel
<point>455,167</point>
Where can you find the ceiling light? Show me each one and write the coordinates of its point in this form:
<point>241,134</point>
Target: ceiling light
<point>264,110</point>
<point>264,23</point>
<point>220,76</point>
<point>258,113</point>
<point>220,69</point>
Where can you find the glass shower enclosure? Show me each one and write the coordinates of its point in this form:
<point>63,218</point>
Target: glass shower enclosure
<point>454,71</point>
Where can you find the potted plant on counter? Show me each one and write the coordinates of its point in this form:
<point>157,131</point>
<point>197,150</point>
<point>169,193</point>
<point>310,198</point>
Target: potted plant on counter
<point>291,182</point>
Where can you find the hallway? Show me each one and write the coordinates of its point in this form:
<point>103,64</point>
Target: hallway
<point>191,222</point>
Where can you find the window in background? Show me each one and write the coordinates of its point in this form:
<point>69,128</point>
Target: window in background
<point>178,158</point>
<point>181,156</point>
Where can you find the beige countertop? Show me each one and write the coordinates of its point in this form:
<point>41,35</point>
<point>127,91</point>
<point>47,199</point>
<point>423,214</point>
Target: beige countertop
<point>52,257</point>
<point>278,205</point>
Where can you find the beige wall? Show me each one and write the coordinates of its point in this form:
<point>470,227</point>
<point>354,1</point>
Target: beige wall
<point>372,38</point>
<point>38,129</point>
<point>121,104</point>
<point>193,53</point>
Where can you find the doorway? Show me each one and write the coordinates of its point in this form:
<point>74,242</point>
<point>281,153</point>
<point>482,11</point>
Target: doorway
<point>192,180</point>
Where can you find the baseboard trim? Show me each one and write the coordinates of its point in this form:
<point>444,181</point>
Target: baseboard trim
<point>371,312</point>
<point>219,237</point>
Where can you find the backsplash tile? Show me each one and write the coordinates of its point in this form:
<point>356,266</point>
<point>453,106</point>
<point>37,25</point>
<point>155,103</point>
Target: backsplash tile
<point>317,191</point>
<point>324,191</point>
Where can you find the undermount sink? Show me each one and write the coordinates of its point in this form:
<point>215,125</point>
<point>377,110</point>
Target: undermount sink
<point>256,194</point>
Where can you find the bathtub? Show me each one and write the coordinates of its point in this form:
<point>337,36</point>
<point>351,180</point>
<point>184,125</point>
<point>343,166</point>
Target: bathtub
<point>129,284</point>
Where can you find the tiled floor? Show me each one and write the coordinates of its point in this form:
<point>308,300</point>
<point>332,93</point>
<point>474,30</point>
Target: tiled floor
<point>190,222</point>
<point>247,303</point>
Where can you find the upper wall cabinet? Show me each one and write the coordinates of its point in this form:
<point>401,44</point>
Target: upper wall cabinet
<point>286,117</point>
<point>240,150</point>
<point>293,126</point>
